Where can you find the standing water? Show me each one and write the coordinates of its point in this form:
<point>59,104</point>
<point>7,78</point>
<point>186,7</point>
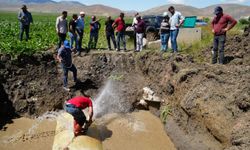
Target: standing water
<point>118,128</point>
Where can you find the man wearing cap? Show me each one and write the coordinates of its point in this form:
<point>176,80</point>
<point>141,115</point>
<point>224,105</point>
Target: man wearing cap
<point>75,107</point>
<point>176,20</point>
<point>62,28</point>
<point>65,58</point>
<point>80,30</point>
<point>25,18</point>
<point>220,25</point>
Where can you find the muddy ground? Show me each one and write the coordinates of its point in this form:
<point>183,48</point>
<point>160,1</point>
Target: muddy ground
<point>209,103</point>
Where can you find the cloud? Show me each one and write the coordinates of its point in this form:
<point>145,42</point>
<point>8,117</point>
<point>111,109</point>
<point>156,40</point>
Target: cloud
<point>234,1</point>
<point>176,1</point>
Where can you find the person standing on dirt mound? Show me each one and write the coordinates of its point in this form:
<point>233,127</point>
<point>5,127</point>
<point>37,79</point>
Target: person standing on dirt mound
<point>95,26</point>
<point>134,25</point>
<point>140,30</point>
<point>61,28</point>
<point>75,107</point>
<point>80,30</point>
<point>25,18</point>
<point>110,32</point>
<point>65,58</point>
<point>164,32</point>
<point>73,33</point>
<point>120,26</point>
<point>176,20</point>
<point>220,25</point>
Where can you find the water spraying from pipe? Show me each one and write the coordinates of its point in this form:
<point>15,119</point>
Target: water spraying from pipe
<point>110,100</point>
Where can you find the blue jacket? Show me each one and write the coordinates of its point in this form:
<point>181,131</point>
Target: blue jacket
<point>25,18</point>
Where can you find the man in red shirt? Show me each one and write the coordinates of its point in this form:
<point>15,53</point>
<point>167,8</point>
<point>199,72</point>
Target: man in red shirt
<point>75,107</point>
<point>120,26</point>
<point>220,25</point>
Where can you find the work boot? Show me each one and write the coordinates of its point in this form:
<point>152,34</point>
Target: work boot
<point>66,89</point>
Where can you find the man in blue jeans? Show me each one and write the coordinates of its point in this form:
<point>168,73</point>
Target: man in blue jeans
<point>120,26</point>
<point>220,25</point>
<point>65,58</point>
<point>80,30</point>
<point>75,107</point>
<point>164,32</point>
<point>176,20</point>
<point>73,33</point>
<point>95,26</point>
<point>25,18</point>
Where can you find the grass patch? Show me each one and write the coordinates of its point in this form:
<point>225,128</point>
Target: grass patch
<point>117,77</point>
<point>165,112</point>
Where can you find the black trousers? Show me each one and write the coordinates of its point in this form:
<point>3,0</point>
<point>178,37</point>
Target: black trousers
<point>219,44</point>
<point>26,29</point>
<point>111,35</point>
<point>62,38</point>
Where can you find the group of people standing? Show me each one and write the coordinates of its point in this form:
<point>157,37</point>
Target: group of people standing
<point>170,29</point>
<point>75,30</point>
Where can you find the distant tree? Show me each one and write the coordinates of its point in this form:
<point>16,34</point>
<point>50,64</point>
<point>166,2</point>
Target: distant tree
<point>207,20</point>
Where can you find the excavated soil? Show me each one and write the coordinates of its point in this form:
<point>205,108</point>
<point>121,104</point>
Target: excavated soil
<point>209,103</point>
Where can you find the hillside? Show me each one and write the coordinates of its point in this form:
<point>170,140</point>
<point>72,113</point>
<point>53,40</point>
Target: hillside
<point>233,9</point>
<point>185,10</point>
<point>13,2</point>
<point>49,6</point>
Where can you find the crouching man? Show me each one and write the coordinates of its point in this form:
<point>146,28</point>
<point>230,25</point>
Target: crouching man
<point>75,107</point>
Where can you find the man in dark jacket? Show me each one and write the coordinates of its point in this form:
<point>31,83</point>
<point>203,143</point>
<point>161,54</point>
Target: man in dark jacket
<point>220,25</point>
<point>73,33</point>
<point>110,32</point>
<point>95,26</point>
<point>25,18</point>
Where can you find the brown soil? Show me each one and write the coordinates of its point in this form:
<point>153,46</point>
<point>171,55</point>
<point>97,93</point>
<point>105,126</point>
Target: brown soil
<point>210,103</point>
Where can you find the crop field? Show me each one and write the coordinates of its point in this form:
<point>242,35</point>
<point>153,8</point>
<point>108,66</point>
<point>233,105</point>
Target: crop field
<point>42,33</point>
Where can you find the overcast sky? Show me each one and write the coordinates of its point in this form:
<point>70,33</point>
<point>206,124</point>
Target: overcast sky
<point>141,5</point>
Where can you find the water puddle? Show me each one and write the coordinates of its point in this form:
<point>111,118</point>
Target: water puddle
<point>137,130</point>
<point>118,129</point>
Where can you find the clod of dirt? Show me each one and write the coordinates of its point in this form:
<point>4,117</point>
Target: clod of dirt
<point>185,73</point>
<point>169,88</point>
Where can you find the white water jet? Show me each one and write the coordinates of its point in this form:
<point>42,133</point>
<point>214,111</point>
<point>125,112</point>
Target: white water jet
<point>110,100</point>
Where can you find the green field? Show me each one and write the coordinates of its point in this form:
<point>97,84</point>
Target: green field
<point>43,35</point>
<point>42,32</point>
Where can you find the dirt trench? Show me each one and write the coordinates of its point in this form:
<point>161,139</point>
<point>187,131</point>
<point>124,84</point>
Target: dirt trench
<point>209,103</point>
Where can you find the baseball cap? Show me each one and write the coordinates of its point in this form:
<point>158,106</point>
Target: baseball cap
<point>82,13</point>
<point>66,44</point>
<point>218,10</point>
<point>24,7</point>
